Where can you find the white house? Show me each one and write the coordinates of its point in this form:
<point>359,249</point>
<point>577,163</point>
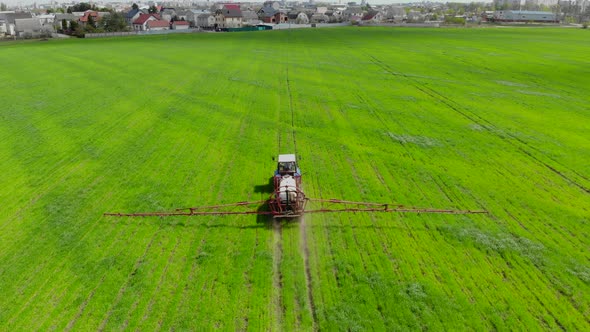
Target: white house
<point>205,20</point>
<point>192,15</point>
<point>27,27</point>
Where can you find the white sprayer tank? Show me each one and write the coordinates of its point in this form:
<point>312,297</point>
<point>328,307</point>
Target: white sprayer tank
<point>288,186</point>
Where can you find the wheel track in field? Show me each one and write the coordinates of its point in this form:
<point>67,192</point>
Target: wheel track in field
<point>302,226</point>
<point>130,276</point>
<point>277,280</point>
<point>57,268</point>
<point>511,139</point>
<point>308,283</point>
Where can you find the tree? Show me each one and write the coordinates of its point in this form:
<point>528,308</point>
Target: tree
<point>80,7</point>
<point>3,6</point>
<point>153,9</point>
<point>113,22</point>
<point>91,23</point>
<point>135,6</point>
<point>64,25</point>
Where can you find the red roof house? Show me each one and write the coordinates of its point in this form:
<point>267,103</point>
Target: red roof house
<point>158,25</point>
<point>141,22</point>
<point>180,25</point>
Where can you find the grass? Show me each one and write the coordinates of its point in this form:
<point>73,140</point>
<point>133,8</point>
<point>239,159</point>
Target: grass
<point>452,118</point>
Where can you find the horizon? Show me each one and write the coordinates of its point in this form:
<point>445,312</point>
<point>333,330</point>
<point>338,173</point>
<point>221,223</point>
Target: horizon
<point>11,3</point>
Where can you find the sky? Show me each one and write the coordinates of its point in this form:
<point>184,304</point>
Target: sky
<point>372,2</point>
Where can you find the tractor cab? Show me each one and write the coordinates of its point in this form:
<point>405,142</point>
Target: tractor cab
<point>287,165</point>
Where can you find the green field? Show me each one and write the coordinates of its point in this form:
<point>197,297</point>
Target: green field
<point>495,119</point>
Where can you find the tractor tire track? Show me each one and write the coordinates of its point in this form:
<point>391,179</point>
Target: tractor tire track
<point>308,278</point>
<point>485,124</point>
<point>130,276</point>
<point>277,299</point>
<point>63,263</point>
<point>149,309</point>
<point>292,112</point>
<point>302,226</point>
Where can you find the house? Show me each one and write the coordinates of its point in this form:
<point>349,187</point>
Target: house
<point>372,17</point>
<point>280,17</point>
<point>525,16</point>
<point>321,10</point>
<point>230,16</point>
<point>59,20</point>
<point>155,25</point>
<point>27,27</point>
<point>3,27</point>
<point>167,14</point>
<point>140,24</point>
<point>319,18</point>
<point>132,15</point>
<point>249,17</point>
<point>205,20</point>
<point>394,13</point>
<point>193,14</point>
<point>90,13</point>
<point>182,15</point>
<point>352,12</point>
<point>415,16</point>
<point>271,15</point>
<point>180,25</point>
<point>9,21</point>
<point>334,16</point>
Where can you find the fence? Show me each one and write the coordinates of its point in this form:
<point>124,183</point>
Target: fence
<point>138,33</point>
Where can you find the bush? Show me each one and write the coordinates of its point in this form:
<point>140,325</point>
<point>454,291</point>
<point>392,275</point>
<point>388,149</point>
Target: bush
<point>585,25</point>
<point>454,20</point>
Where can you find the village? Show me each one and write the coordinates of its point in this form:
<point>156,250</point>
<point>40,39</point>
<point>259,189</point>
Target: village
<point>85,19</point>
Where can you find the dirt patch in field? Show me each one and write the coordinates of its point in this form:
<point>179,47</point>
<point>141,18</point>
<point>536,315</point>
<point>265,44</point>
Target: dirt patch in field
<point>537,93</point>
<point>508,83</point>
<point>416,140</point>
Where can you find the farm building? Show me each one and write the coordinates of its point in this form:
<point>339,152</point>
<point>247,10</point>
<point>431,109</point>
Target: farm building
<point>525,16</point>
